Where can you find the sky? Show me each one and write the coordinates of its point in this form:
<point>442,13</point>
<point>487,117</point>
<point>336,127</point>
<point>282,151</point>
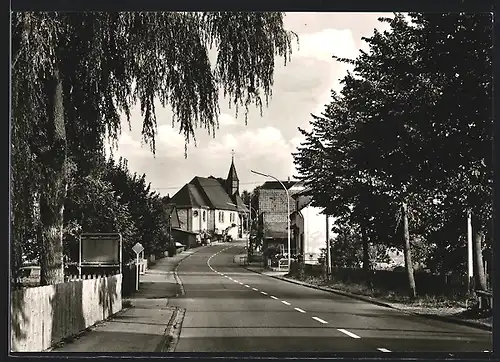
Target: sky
<point>266,143</point>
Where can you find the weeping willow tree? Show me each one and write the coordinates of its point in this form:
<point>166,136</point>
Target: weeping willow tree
<point>75,74</point>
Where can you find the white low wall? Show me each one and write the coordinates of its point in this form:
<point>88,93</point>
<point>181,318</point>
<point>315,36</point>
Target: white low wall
<point>43,316</point>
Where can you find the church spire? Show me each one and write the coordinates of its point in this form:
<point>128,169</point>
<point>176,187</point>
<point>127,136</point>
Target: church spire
<point>232,182</point>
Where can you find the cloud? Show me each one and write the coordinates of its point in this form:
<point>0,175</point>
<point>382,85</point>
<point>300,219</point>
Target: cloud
<point>266,143</point>
<point>125,140</point>
<point>264,149</point>
<point>249,144</point>
<point>170,137</point>
<point>326,43</point>
<point>127,145</point>
<point>226,119</point>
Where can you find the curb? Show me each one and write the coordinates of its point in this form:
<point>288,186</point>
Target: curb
<point>174,270</point>
<point>457,321</point>
<point>172,332</point>
<point>176,276</point>
<point>382,304</point>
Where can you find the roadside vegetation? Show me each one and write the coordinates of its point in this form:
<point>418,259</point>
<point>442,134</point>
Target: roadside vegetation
<point>458,306</point>
<point>403,153</point>
<point>76,76</point>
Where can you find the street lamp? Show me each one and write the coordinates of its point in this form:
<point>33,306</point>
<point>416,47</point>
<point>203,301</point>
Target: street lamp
<point>288,212</point>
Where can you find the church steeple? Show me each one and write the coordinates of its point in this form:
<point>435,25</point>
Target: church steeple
<point>232,181</point>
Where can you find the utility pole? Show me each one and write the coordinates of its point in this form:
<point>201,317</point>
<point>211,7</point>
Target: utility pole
<point>250,215</point>
<point>470,260</point>
<point>328,255</point>
<point>170,241</point>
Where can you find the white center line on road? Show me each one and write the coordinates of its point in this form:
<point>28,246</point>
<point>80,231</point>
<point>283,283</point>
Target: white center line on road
<point>299,310</point>
<point>240,283</point>
<point>285,302</point>
<point>272,296</point>
<point>319,320</point>
<point>263,293</point>
<point>350,334</point>
<point>255,289</point>
<point>248,286</point>
<point>383,349</point>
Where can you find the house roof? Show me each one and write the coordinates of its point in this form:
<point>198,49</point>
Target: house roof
<point>302,192</point>
<point>213,192</point>
<point>189,195</point>
<point>268,185</point>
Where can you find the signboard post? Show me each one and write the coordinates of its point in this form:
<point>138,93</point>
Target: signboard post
<point>137,248</point>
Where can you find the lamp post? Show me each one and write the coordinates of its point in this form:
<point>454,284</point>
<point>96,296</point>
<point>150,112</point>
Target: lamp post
<point>288,212</point>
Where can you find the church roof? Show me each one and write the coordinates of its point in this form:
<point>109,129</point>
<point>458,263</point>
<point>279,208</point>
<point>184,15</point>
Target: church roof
<point>190,196</point>
<point>211,192</point>
<point>214,192</point>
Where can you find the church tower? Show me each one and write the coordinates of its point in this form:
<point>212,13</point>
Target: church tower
<point>232,181</point>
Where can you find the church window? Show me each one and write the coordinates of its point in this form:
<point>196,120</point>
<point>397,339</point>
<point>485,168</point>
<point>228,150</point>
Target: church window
<point>204,215</point>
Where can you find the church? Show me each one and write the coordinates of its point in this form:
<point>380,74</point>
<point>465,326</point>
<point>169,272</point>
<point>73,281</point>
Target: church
<point>211,204</point>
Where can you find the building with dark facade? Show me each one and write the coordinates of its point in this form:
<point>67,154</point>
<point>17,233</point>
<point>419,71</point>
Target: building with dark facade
<point>274,216</point>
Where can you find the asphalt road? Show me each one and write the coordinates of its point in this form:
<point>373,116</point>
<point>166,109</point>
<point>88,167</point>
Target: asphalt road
<point>231,309</point>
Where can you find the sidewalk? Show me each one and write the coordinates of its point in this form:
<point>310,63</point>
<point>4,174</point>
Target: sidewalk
<point>259,268</point>
<point>147,324</point>
<point>281,276</point>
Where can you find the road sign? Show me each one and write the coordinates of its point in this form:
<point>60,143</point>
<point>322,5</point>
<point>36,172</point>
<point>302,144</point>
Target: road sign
<point>138,248</point>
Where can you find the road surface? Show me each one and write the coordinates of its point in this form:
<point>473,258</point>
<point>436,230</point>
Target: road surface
<point>231,309</point>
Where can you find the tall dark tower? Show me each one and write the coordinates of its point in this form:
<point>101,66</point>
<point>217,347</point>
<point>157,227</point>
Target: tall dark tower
<point>232,181</point>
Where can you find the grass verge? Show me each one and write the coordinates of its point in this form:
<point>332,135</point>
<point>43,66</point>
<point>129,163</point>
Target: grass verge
<point>460,307</point>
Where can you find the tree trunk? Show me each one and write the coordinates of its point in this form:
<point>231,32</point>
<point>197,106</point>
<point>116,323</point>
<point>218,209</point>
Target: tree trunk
<point>366,256</point>
<point>407,252</point>
<point>54,187</point>
<point>366,249</point>
<point>480,277</point>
